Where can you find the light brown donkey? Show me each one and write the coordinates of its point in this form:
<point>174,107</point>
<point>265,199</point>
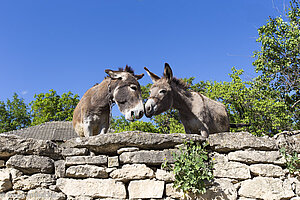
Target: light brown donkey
<point>92,114</point>
<point>198,113</point>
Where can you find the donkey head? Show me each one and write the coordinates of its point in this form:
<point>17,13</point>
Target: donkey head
<point>127,92</point>
<point>161,95</point>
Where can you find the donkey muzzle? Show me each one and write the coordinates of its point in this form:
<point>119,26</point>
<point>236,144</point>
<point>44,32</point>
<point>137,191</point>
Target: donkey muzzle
<point>135,113</point>
<point>150,108</point>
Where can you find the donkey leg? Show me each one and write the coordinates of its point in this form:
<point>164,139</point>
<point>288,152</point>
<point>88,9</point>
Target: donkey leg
<point>204,134</point>
<point>103,130</point>
<point>187,130</point>
<point>104,124</point>
<point>204,131</point>
<point>87,128</point>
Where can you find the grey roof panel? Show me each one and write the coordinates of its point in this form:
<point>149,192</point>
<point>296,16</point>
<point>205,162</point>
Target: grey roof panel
<point>55,131</point>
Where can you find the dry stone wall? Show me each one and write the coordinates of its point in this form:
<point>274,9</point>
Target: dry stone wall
<point>128,166</point>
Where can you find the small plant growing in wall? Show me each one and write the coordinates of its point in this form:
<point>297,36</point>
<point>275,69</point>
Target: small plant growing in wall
<point>292,161</point>
<point>193,168</point>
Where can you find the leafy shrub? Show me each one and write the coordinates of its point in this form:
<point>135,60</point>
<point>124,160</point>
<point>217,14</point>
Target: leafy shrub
<point>292,161</point>
<point>193,168</point>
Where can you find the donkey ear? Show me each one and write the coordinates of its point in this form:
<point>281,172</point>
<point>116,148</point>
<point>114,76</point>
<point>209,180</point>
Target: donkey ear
<point>138,77</point>
<point>114,74</point>
<point>168,72</point>
<point>153,76</point>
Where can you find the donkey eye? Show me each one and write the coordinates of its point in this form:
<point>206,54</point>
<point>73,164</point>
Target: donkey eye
<point>133,87</point>
<point>162,91</point>
<point>122,102</point>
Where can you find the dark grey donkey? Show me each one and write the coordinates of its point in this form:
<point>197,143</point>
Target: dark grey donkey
<point>92,114</point>
<point>198,113</point>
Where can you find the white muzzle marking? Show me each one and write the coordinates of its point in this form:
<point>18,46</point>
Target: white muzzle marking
<point>135,113</point>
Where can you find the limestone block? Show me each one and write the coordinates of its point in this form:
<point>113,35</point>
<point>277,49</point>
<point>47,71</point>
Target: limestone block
<point>146,189</point>
<point>90,160</point>
<point>14,195</point>
<point>266,170</point>
<point>11,145</point>
<point>44,194</point>
<point>233,170</point>
<point>110,170</point>
<point>252,157</point>
<point>15,173</point>
<point>226,142</point>
<point>82,198</point>
<point>221,189</point>
<point>113,161</point>
<point>2,163</point>
<point>110,143</point>
<point>127,149</point>
<point>86,171</point>
<point>164,175</point>
<point>60,168</point>
<point>54,188</point>
<point>75,152</point>
<point>288,141</point>
<point>31,164</point>
<point>96,188</point>
<point>294,183</point>
<point>5,180</point>
<point>148,157</point>
<point>173,192</point>
<point>219,158</point>
<point>132,172</point>
<point>265,188</point>
<point>34,181</point>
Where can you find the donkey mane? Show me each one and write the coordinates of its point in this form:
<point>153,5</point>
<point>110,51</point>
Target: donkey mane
<point>180,83</point>
<point>121,69</point>
<point>127,69</point>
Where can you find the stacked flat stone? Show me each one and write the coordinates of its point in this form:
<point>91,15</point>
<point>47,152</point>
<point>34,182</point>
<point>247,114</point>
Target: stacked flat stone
<point>128,166</point>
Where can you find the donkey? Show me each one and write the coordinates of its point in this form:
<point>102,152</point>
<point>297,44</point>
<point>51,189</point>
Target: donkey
<point>92,114</point>
<point>198,113</point>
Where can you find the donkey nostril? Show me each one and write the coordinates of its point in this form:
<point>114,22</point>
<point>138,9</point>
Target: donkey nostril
<point>132,113</point>
<point>148,108</point>
<point>141,114</point>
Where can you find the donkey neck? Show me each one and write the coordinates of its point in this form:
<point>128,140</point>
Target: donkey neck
<point>183,101</point>
<point>111,85</point>
<point>102,94</point>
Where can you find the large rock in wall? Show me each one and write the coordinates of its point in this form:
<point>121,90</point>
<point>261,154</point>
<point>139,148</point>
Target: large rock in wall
<point>128,166</point>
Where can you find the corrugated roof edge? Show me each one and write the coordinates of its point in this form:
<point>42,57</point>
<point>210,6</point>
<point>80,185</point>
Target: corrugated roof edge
<point>55,131</point>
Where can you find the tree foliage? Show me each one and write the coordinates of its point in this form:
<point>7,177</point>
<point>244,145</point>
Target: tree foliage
<point>53,107</point>
<point>120,124</point>
<point>251,102</point>
<point>14,114</point>
<point>278,61</point>
<point>279,57</point>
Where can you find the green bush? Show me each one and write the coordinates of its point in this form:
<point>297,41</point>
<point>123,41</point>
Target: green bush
<point>193,168</point>
<point>292,160</point>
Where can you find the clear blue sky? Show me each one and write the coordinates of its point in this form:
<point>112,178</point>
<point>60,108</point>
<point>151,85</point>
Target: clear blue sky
<point>66,45</point>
